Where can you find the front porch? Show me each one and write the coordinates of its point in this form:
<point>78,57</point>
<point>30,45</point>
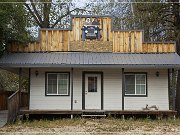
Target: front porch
<point>104,113</point>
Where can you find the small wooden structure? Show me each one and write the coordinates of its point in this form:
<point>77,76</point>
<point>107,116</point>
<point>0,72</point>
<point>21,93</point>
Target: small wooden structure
<point>4,95</point>
<point>10,105</point>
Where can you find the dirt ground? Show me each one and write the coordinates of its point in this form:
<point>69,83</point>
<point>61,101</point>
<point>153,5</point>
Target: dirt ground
<point>93,126</point>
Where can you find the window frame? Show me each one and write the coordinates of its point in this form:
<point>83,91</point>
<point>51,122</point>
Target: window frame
<point>46,84</point>
<point>146,84</point>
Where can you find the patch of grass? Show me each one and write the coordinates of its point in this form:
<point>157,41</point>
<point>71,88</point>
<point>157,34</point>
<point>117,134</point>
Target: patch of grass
<point>97,125</point>
<point>45,123</point>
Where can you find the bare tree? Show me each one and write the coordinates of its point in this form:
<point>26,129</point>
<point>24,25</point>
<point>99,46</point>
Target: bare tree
<point>50,14</point>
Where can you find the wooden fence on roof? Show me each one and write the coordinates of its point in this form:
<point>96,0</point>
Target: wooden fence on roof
<point>122,41</point>
<point>51,40</point>
<point>159,47</point>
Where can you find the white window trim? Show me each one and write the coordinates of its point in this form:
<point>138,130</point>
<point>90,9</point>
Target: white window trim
<point>57,94</point>
<point>138,84</point>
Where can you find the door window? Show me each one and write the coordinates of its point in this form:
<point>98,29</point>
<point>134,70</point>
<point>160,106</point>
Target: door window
<point>92,84</point>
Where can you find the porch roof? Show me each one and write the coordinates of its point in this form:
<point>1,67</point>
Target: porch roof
<point>91,59</point>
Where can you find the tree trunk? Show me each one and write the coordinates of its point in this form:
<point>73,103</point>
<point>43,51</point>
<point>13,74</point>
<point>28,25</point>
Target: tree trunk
<point>177,106</point>
<point>176,16</point>
<point>178,94</point>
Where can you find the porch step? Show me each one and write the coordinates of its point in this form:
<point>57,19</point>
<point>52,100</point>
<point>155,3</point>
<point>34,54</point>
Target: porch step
<point>93,115</point>
<point>93,111</point>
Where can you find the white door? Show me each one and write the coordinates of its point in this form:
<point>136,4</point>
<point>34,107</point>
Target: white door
<point>92,91</point>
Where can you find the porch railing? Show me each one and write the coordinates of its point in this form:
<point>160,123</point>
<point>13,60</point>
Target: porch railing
<point>13,106</point>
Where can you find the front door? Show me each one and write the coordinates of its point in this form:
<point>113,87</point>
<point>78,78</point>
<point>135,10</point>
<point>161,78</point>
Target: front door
<point>92,91</point>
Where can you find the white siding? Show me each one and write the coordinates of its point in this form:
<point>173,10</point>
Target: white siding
<point>38,100</point>
<point>112,89</point>
<point>157,91</point>
<point>77,89</point>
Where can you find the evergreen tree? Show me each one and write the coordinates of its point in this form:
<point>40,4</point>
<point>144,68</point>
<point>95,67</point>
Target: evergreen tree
<point>13,23</point>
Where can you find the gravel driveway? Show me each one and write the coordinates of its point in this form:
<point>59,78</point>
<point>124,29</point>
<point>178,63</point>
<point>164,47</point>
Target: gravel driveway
<point>94,126</point>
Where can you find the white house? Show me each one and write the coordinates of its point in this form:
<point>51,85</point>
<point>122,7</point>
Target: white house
<point>117,73</point>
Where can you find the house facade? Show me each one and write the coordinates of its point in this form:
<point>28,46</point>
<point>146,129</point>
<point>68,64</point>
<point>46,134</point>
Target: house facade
<point>98,88</point>
<point>92,66</point>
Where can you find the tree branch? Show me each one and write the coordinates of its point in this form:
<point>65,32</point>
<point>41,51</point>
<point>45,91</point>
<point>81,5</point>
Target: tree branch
<point>46,12</point>
<point>161,30</point>
<point>34,16</point>
<point>59,19</point>
<point>35,11</point>
<point>169,21</point>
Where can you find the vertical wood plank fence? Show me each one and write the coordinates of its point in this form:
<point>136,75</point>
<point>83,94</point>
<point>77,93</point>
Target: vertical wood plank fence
<point>4,102</point>
<point>59,40</point>
<point>10,101</point>
<point>13,106</point>
<point>3,99</point>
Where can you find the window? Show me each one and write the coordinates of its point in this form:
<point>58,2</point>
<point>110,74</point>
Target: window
<point>92,84</point>
<point>57,84</point>
<point>135,84</point>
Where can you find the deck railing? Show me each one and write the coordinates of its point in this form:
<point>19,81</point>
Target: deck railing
<point>13,106</point>
<point>4,102</point>
<point>3,99</point>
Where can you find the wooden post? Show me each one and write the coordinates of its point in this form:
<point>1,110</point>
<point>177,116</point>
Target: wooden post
<point>29,87</point>
<point>173,89</point>
<point>71,116</point>
<point>72,89</point>
<point>169,87</point>
<point>20,85</point>
<point>123,90</point>
<point>129,40</point>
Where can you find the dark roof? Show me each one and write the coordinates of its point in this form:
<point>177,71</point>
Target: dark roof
<point>87,59</point>
<point>98,16</point>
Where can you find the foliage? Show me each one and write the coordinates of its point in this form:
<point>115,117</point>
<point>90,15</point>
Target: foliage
<point>51,14</point>
<point>120,11</point>
<point>12,24</point>
<point>157,20</point>
<point>10,81</point>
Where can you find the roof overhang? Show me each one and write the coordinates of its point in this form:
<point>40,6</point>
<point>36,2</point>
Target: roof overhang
<point>87,66</point>
<point>90,60</point>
